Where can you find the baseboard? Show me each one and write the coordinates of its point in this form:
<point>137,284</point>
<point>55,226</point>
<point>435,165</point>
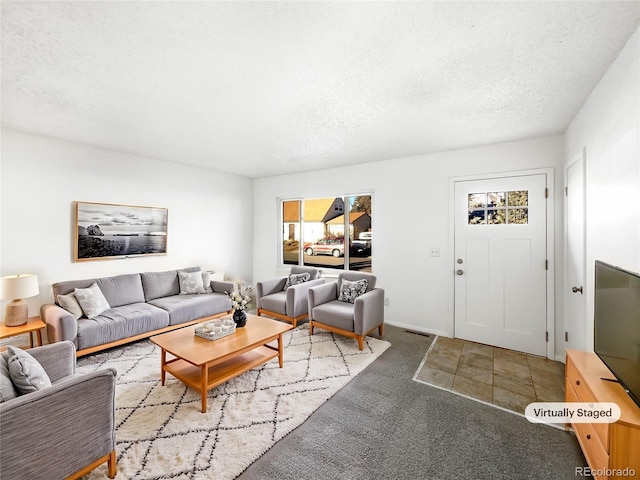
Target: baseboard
<point>410,326</point>
<point>560,357</point>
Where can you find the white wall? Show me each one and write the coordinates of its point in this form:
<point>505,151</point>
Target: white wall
<point>209,213</point>
<point>213,221</point>
<point>608,126</point>
<point>410,215</point>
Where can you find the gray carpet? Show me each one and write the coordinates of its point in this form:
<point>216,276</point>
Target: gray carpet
<point>383,425</point>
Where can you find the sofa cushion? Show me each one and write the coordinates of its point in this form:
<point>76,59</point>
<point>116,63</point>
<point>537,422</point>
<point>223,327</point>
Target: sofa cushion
<point>336,314</point>
<point>27,375</point>
<point>64,288</point>
<point>190,282</point>
<point>118,290</point>
<point>119,323</point>
<point>184,308</point>
<point>162,284</point>
<point>276,302</point>
<point>92,300</point>
<point>122,289</point>
<point>70,303</point>
<point>7,390</point>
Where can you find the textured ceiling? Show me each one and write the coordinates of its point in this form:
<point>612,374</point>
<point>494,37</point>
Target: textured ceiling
<point>265,88</point>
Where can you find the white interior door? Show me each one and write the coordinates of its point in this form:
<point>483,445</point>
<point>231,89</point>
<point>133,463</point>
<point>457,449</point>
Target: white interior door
<point>500,262</point>
<point>575,307</point>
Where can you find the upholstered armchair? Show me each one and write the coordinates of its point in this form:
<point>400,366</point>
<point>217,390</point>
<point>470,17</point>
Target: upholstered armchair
<point>348,307</point>
<point>284,298</point>
<point>64,430</point>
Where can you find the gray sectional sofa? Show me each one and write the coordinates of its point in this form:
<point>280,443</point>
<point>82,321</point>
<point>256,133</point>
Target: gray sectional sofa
<point>141,305</point>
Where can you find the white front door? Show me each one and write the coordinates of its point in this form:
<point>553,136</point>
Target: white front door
<point>575,311</point>
<point>500,262</point>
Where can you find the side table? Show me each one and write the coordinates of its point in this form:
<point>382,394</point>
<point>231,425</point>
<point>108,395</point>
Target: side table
<point>34,324</point>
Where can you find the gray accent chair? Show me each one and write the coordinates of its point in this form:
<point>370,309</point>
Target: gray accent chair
<point>62,431</point>
<point>291,304</point>
<point>355,320</point>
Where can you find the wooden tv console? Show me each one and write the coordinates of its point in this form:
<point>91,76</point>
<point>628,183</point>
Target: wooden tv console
<point>609,448</point>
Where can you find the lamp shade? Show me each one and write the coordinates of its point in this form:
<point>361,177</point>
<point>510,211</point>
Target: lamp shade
<point>19,286</point>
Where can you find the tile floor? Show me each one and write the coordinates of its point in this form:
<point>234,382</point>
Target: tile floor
<point>501,377</point>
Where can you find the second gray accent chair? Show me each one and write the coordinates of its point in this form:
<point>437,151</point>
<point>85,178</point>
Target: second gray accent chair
<point>355,320</point>
<point>289,304</point>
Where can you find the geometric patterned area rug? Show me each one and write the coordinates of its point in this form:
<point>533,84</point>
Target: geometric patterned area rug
<point>161,432</point>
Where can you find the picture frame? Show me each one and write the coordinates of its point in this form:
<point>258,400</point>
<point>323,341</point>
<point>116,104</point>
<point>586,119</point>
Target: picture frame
<point>108,231</point>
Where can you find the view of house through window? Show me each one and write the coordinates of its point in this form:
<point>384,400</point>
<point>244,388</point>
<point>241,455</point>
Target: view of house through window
<point>332,232</point>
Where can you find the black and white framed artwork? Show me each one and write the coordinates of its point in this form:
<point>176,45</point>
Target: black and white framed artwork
<point>105,230</point>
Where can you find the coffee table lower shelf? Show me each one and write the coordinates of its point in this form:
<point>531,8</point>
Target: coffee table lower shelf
<point>204,378</point>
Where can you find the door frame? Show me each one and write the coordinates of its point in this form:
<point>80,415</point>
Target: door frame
<point>550,233</point>
<point>579,157</point>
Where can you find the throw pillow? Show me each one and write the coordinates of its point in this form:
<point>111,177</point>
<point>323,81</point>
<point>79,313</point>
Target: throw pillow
<point>91,300</point>
<point>70,303</point>
<point>190,282</point>
<point>297,279</point>
<point>349,290</point>
<point>26,373</point>
<point>7,390</point>
<point>206,282</point>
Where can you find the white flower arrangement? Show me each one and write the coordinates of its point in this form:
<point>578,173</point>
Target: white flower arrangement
<point>239,300</point>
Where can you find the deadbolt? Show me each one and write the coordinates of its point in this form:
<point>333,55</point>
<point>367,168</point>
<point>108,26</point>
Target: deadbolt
<point>576,289</point>
<point>459,272</point>
<point>459,261</point>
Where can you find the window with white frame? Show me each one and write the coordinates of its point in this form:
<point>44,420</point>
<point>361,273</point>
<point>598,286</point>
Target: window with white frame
<point>499,208</point>
<point>329,233</point>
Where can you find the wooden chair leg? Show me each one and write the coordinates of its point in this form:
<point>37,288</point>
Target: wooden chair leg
<point>310,327</point>
<point>360,342</point>
<point>294,322</point>
<point>111,465</point>
<point>110,458</point>
<point>380,330</point>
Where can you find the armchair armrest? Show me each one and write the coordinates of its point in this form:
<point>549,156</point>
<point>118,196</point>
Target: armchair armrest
<point>57,431</point>
<point>368,311</point>
<point>320,294</point>
<point>57,359</point>
<point>222,287</point>
<point>268,287</point>
<point>61,325</point>
<point>297,301</point>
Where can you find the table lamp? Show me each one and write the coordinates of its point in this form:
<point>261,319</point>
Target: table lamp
<point>17,288</point>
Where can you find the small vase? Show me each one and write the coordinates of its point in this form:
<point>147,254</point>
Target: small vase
<point>240,317</point>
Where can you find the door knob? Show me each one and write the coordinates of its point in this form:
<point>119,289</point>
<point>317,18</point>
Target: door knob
<point>576,289</point>
<point>459,272</point>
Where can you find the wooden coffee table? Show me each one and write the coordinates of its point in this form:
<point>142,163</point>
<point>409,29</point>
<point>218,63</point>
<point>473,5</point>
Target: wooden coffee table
<point>202,364</point>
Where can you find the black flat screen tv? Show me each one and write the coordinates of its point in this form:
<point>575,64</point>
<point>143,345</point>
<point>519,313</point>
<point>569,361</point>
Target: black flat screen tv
<point>617,324</point>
